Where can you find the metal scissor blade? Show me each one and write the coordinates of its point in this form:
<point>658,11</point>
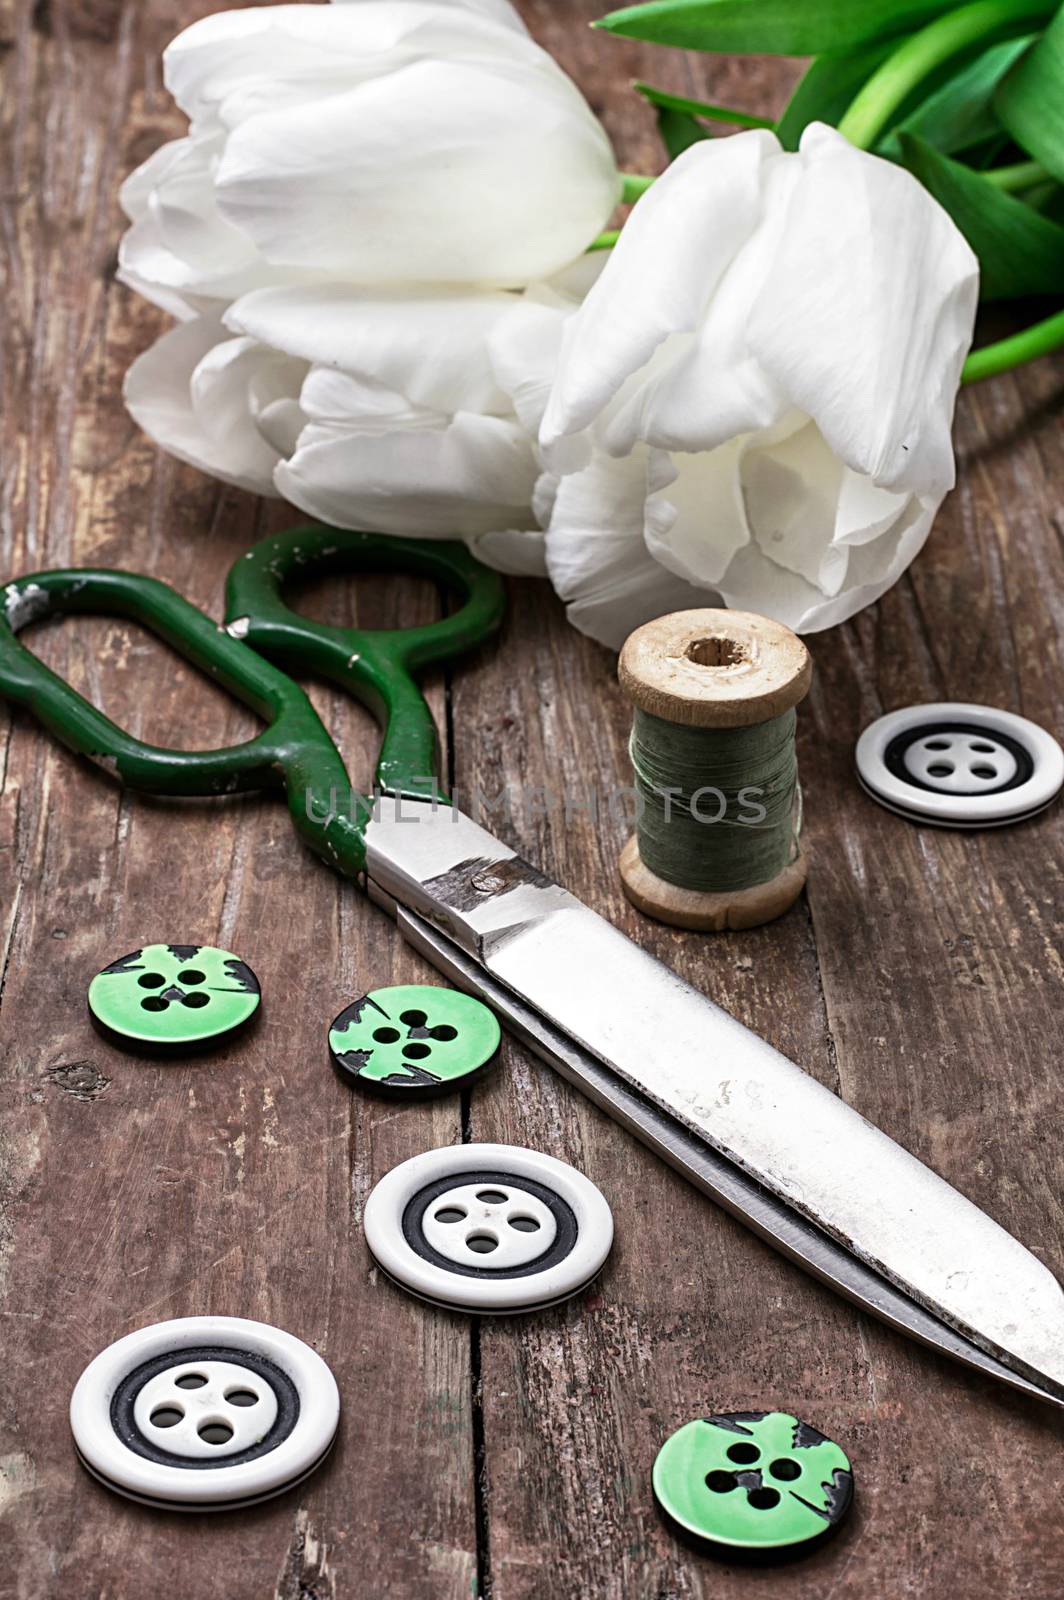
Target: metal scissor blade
<point>721,1082</point>
<point>795,1236</point>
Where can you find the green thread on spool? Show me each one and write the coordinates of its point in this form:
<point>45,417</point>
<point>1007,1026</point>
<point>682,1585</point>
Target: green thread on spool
<point>698,825</point>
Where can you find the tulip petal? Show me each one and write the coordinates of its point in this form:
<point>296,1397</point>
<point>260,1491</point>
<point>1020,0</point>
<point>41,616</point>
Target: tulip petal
<point>183,306</point>
<point>791,492</point>
<point>523,349</point>
<point>877,564</point>
<point>596,556</point>
<point>785,493</point>
<point>180,252</point>
<point>695,514</point>
<point>754,582</point>
<point>135,194</point>
<point>867,313</point>
<point>521,552</point>
<point>865,510</point>
<point>671,254</point>
<point>706,388</point>
<point>192,393</point>
<point>497,10</point>
<point>377,186</point>
<point>231,65</point>
<point>345,400</point>
<point>358,142</point>
<point>147,263</point>
<point>474,476</point>
<point>280,420</point>
<point>433,349</point>
<point>544,496</point>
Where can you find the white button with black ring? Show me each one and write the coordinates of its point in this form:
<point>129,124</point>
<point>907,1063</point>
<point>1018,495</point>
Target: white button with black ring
<point>488,1228</point>
<point>956,765</point>
<point>204,1413</point>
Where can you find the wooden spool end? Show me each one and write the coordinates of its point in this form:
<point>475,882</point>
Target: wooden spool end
<point>713,669</point>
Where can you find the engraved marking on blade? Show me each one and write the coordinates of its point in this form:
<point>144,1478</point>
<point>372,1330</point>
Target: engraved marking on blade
<point>465,886</point>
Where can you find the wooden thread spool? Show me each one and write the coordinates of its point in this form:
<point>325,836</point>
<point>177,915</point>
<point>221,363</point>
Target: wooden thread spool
<point>716,670</point>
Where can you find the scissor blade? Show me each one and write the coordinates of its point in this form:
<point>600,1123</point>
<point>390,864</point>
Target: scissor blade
<point>760,1111</point>
<point>792,1234</point>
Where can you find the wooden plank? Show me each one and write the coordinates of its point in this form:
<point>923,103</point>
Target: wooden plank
<point>692,1314</point>
<point>919,980</point>
<point>132,1191</point>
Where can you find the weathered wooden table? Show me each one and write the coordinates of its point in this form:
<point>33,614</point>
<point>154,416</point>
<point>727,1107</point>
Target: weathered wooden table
<point>921,979</point>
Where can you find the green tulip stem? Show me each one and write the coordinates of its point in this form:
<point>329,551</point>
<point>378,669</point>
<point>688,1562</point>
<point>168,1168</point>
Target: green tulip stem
<point>1038,340</point>
<point>633,184</point>
<point>921,53</point>
<point>1023,175</point>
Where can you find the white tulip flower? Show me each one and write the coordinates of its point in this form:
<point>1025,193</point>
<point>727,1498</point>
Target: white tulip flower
<point>406,412</point>
<point>365,142</point>
<point>406,429</point>
<point>365,409</point>
<point>754,403</point>
<point>228,406</point>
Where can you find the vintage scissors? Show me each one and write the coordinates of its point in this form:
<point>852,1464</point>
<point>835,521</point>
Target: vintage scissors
<point>747,1126</point>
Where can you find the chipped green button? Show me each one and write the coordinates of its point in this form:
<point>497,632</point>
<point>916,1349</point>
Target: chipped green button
<point>166,996</point>
<point>760,1482</point>
<point>414,1039</point>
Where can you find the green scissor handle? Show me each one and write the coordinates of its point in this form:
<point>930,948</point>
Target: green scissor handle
<point>294,749</point>
<point>375,665</point>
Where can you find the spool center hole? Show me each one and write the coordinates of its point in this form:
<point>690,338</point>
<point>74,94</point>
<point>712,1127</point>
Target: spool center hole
<point>715,651</point>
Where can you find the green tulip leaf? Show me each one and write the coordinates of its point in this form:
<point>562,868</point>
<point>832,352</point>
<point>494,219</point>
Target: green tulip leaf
<point>959,114</point>
<point>827,88</point>
<point>1020,251</point>
<point>699,108</point>
<point>1030,100</point>
<point>679,131</point>
<point>775,27</point>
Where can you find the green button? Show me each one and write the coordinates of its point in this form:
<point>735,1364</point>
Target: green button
<point>166,996</point>
<point>755,1481</point>
<point>415,1039</point>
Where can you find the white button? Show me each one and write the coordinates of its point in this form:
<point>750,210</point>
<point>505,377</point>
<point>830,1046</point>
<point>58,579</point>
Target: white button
<point>480,1226</point>
<point>488,1228</point>
<point>205,1409</point>
<point>959,765</point>
<point>204,1413</point>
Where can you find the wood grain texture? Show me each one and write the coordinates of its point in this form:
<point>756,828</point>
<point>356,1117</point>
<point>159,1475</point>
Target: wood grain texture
<point>921,977</point>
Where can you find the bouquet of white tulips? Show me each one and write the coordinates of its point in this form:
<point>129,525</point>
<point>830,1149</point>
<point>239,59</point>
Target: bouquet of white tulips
<point>386,239</point>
